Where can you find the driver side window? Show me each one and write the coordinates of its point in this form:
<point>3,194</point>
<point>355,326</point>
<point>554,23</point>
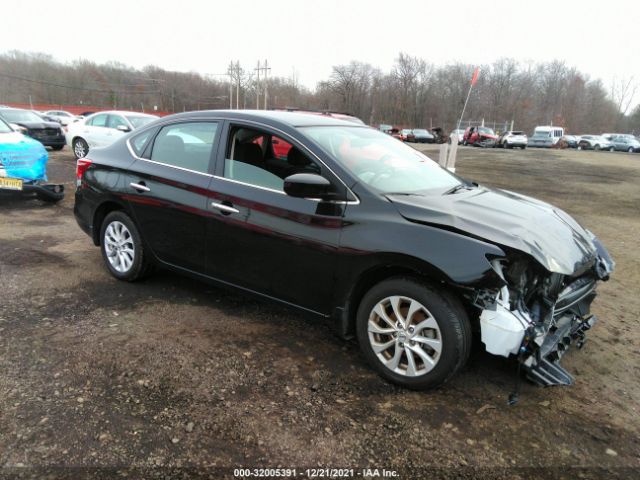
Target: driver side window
<point>260,159</point>
<point>116,121</point>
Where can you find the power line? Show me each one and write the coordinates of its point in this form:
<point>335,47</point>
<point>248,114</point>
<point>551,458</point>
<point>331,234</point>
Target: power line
<point>70,87</point>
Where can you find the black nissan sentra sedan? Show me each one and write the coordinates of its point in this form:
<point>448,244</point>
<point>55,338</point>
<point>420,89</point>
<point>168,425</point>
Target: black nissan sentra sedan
<point>349,224</point>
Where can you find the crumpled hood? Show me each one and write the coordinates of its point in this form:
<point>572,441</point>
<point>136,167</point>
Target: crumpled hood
<point>543,231</point>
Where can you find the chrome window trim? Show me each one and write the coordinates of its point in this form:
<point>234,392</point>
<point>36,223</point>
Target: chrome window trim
<point>287,136</point>
<point>134,155</point>
<point>253,122</point>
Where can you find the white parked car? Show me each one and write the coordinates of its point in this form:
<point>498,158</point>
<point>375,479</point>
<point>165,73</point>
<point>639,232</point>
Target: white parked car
<point>62,117</point>
<point>594,142</point>
<point>102,129</point>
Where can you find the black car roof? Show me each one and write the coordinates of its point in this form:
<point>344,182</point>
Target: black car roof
<point>271,117</point>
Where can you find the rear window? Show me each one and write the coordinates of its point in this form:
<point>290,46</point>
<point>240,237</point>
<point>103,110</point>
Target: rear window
<point>517,133</point>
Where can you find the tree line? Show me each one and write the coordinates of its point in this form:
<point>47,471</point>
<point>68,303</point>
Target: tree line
<point>414,93</point>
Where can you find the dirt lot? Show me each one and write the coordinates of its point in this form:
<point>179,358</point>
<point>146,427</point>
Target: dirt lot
<point>175,378</point>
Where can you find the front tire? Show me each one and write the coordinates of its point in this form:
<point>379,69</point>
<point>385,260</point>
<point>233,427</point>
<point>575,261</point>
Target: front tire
<point>57,148</point>
<point>122,248</point>
<point>413,334</point>
<point>80,148</point>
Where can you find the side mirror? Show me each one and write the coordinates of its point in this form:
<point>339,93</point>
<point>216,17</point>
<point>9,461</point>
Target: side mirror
<point>123,128</point>
<point>307,185</point>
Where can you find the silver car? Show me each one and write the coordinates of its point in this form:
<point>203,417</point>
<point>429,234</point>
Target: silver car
<point>625,143</point>
<point>594,142</point>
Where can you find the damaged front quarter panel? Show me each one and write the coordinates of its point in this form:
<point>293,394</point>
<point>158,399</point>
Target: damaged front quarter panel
<point>549,273</point>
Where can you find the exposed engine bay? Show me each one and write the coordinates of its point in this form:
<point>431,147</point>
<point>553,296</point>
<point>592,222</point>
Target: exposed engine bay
<point>537,314</point>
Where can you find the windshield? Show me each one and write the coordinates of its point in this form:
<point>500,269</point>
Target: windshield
<point>380,161</point>
<point>486,131</point>
<point>4,127</point>
<point>139,121</point>
<point>15,116</point>
<point>542,133</point>
<point>420,131</point>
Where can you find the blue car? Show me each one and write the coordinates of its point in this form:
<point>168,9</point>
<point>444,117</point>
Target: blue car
<point>23,167</point>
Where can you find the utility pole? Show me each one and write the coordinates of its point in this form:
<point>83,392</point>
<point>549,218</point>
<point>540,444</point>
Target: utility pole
<point>230,70</point>
<point>266,85</point>
<point>258,86</point>
<point>238,84</point>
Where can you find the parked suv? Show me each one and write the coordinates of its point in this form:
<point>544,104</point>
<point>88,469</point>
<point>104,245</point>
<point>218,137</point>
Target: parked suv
<point>594,142</point>
<point>512,139</point>
<point>625,143</point>
<point>352,226</point>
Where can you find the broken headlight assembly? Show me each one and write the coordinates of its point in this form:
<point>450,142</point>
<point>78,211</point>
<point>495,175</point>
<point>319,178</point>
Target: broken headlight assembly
<point>536,314</point>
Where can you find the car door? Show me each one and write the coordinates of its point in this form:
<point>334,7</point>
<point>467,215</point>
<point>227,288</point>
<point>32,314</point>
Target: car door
<point>94,131</point>
<point>258,237</point>
<point>167,191</point>
<point>117,126</point>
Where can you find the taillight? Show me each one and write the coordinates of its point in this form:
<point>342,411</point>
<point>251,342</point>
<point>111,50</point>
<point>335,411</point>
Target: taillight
<point>82,166</point>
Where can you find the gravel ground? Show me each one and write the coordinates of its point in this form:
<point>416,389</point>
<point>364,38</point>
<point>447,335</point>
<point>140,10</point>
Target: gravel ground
<point>172,378</point>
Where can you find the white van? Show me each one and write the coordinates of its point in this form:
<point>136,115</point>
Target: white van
<point>546,136</point>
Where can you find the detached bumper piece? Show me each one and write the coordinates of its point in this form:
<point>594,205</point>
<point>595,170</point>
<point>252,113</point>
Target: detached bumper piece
<point>47,192</point>
<point>544,367</point>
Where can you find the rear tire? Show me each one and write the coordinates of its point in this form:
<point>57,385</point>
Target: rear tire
<point>630,150</point>
<point>57,148</point>
<point>122,249</point>
<point>426,343</point>
<point>597,148</point>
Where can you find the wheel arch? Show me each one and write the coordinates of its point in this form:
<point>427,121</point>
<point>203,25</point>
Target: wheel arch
<point>104,209</point>
<point>399,266</point>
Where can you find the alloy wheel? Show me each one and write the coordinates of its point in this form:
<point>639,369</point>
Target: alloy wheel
<point>119,246</point>
<point>404,336</point>
<point>80,148</point>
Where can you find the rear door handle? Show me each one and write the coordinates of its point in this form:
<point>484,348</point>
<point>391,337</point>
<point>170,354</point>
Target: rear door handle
<point>224,208</point>
<point>141,187</point>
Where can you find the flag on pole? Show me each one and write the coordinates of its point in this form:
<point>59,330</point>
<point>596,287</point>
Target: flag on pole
<point>476,74</point>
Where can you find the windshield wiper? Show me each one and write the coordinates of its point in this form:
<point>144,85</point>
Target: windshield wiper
<point>405,193</point>
<point>457,188</point>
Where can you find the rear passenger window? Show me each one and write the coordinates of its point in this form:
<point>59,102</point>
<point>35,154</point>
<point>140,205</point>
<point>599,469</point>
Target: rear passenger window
<point>185,145</point>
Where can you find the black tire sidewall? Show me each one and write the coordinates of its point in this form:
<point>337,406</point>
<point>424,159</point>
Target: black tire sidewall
<point>86,147</point>
<point>454,328</point>
<point>137,268</point>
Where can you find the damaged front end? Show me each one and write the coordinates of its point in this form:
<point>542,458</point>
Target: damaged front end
<point>537,314</point>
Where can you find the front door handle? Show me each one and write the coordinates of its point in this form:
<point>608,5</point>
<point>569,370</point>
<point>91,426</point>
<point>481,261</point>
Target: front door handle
<point>224,208</point>
<point>141,187</point>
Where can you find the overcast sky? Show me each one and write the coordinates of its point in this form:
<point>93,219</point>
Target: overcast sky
<point>599,38</point>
